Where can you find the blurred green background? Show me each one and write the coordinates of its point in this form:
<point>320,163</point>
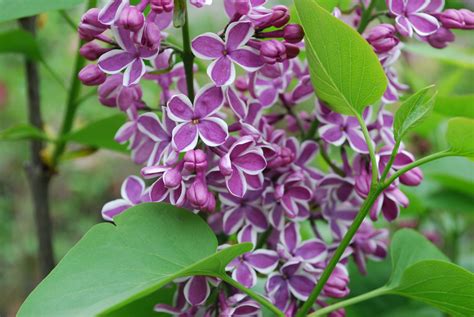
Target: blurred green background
<point>442,207</point>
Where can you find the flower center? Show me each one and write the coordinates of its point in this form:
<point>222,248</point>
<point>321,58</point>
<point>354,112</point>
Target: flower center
<point>195,121</point>
<point>224,52</point>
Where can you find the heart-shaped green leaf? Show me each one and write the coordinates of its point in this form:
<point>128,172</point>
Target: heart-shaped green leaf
<point>100,134</point>
<point>22,8</point>
<point>345,71</point>
<point>412,111</point>
<point>460,136</point>
<point>441,284</point>
<point>114,265</point>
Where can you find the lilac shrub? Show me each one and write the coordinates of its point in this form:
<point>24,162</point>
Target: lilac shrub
<point>239,153</point>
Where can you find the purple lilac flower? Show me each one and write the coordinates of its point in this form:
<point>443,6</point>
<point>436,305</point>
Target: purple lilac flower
<point>169,186</point>
<point>413,16</point>
<point>238,305</point>
<point>133,193</point>
<point>197,120</point>
<point>242,166</point>
<point>269,82</point>
<point>111,11</point>
<point>225,53</point>
<point>369,243</point>
<point>245,266</point>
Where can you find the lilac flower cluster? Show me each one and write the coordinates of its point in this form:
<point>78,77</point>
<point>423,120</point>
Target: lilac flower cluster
<point>246,169</point>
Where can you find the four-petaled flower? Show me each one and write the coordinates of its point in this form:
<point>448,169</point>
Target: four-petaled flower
<point>197,120</point>
<point>413,16</point>
<point>210,46</point>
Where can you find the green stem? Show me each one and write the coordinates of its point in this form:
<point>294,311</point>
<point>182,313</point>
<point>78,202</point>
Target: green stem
<point>417,163</point>
<point>390,161</point>
<point>259,298</point>
<point>346,240</point>
<point>188,57</point>
<point>351,301</point>
<point>71,105</point>
<point>68,20</point>
<point>366,15</point>
<point>312,130</point>
<point>327,159</point>
<point>370,145</point>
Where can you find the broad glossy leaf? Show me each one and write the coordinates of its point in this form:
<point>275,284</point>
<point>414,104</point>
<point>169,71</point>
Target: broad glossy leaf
<point>19,41</point>
<point>22,8</point>
<point>22,132</point>
<point>114,265</point>
<point>455,106</point>
<point>460,136</point>
<point>412,111</point>
<point>345,71</point>
<point>100,134</point>
<point>441,284</point>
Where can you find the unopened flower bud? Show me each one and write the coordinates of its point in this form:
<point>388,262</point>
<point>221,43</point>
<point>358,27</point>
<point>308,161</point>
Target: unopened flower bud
<point>273,51</point>
<point>195,161</point>
<point>336,286</point>
<point>151,35</point>
<point>225,165</point>
<point>172,178</point>
<point>211,203</point>
<point>198,194</point>
<point>412,178</point>
<point>280,16</point>
<point>131,18</point>
<point>279,191</point>
<point>382,38</point>
<point>292,50</point>
<point>457,19</point>
<point>91,75</point>
<point>90,26</point>
<point>293,33</point>
<point>362,184</point>
<point>241,84</point>
<point>160,6</point>
<point>92,51</point>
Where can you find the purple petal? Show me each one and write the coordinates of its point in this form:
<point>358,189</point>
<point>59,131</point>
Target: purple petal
<point>290,237</point>
<point>313,251</point>
<point>111,11</point>
<point>238,34</point>
<point>247,234</point>
<point>185,137</point>
<point>208,46</point>
<point>301,286</point>
<point>299,192</point>
<point>404,26</point>
<point>308,151</point>
<point>251,163</point>
<point>113,208</point>
<point>124,39</point>
<point>245,275</point>
<point>396,6</point>
<point>196,290</point>
<point>114,61</point>
<point>414,6</point>
<point>256,218</point>
<point>268,97</point>
<point>125,132</point>
<point>277,289</point>
<point>158,191</point>
<point>237,105</point>
<point>357,141</point>
<point>134,72</point>
<point>132,189</point>
<point>213,131</point>
<point>164,308</point>
<point>434,6</point>
<point>208,101</point>
<point>233,220</point>
<point>254,182</point>
<point>222,71</point>
<point>332,134</point>
<point>236,183</point>
<point>180,109</point>
<point>424,24</point>
<point>276,217</point>
<point>149,124</point>
<point>264,261</point>
<point>247,58</point>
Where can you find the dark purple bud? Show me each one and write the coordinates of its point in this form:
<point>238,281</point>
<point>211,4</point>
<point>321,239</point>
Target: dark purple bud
<point>172,178</point>
<point>382,38</point>
<point>90,26</point>
<point>362,184</point>
<point>198,194</point>
<point>441,38</point>
<point>151,35</point>
<point>457,19</point>
<point>292,50</point>
<point>91,75</point>
<point>92,51</point>
<point>107,91</point>
<point>336,286</point>
<point>412,178</point>
<point>211,203</point>
<point>293,33</point>
<point>195,161</point>
<point>280,16</point>
<point>131,18</point>
<point>273,51</point>
<point>160,6</point>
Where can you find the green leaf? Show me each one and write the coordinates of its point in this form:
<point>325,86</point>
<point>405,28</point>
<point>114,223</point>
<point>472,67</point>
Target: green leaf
<point>441,284</point>
<point>460,136</point>
<point>22,132</point>
<point>19,41</point>
<point>455,106</point>
<point>115,265</point>
<point>451,55</point>
<point>412,111</point>
<point>22,8</point>
<point>345,71</point>
<point>100,134</point>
